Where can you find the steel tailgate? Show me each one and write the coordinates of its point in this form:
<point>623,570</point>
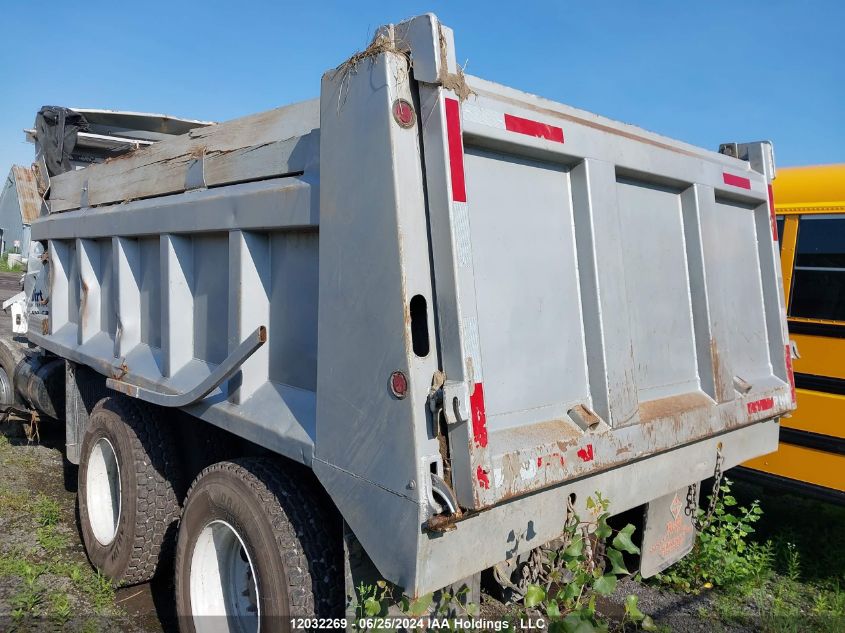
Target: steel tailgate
<point>616,294</point>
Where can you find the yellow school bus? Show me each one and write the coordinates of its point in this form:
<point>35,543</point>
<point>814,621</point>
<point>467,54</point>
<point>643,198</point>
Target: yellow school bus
<point>810,207</point>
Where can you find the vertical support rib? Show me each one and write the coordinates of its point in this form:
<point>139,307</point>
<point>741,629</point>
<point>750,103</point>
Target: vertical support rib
<point>691,211</point>
<point>772,282</point>
<point>90,312</point>
<point>249,307</point>
<point>718,320</point>
<point>127,261</point>
<point>448,272</point>
<point>177,302</point>
<point>59,291</point>
<point>604,295</point>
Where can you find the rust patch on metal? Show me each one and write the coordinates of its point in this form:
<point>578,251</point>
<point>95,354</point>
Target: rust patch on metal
<point>551,459</point>
<point>442,523</point>
<point>584,417</point>
<point>719,378</point>
<point>83,301</point>
<point>120,371</point>
<point>540,434</point>
<point>673,406</point>
<point>540,458</point>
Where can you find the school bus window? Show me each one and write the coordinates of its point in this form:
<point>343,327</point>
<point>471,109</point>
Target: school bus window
<point>780,231</point>
<point>818,286</point>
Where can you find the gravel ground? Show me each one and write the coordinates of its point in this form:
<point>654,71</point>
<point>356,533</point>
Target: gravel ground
<point>684,613</point>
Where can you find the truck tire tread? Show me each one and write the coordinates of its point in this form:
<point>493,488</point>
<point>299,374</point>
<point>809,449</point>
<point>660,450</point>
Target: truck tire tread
<point>157,480</point>
<point>312,556</point>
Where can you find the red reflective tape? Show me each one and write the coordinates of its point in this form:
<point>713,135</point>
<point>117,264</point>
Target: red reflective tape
<point>789,373</point>
<point>586,453</point>
<point>479,417</point>
<point>736,181</point>
<point>533,128</point>
<point>772,213</point>
<point>456,150</point>
<point>758,406</point>
<point>483,479</point>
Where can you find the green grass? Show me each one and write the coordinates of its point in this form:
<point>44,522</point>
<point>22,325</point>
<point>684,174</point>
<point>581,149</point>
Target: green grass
<point>47,515</point>
<point>60,609</point>
<point>47,511</point>
<point>27,600</point>
<point>807,588</point>
<point>50,539</point>
<point>31,569</point>
<point>32,599</point>
<point>12,501</point>
<point>101,591</point>
<point>799,582</point>
<point>15,458</point>
<point>12,563</point>
<point>87,581</point>
<point>725,554</point>
<point>4,265</point>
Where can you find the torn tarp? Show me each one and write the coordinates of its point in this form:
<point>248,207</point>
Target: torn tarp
<point>56,132</point>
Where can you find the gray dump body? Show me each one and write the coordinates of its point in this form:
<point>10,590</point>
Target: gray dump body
<point>588,305</point>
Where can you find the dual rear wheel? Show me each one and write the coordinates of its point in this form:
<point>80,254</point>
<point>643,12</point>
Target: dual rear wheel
<point>255,544</point>
<point>129,484</point>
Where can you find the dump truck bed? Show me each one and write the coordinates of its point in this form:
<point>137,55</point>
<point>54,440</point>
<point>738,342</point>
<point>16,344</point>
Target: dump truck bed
<point>479,306</point>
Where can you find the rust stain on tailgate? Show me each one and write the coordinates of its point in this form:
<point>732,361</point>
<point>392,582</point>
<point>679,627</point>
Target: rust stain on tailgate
<point>720,374</point>
<point>673,407</point>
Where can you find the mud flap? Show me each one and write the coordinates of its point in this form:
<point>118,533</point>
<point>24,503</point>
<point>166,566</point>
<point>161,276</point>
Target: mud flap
<point>668,534</point>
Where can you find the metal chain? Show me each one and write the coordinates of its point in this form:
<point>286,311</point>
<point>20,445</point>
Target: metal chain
<point>692,496</point>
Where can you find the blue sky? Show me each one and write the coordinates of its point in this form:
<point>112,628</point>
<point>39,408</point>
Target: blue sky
<point>703,72</point>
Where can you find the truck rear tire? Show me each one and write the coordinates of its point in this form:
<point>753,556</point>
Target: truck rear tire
<point>128,482</point>
<point>7,391</point>
<point>9,359</point>
<point>258,546</point>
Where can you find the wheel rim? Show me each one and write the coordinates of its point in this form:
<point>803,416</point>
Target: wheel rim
<point>223,580</point>
<point>6,394</point>
<point>102,485</point>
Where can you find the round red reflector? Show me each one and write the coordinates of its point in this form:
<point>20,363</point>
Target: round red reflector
<point>403,113</point>
<point>398,384</point>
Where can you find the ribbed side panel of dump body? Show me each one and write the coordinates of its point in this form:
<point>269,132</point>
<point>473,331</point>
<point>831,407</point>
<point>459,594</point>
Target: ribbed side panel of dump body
<point>173,298</point>
<point>158,293</point>
<point>164,260</point>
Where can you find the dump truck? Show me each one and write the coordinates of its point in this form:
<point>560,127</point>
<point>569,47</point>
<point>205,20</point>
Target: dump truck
<point>410,326</point>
